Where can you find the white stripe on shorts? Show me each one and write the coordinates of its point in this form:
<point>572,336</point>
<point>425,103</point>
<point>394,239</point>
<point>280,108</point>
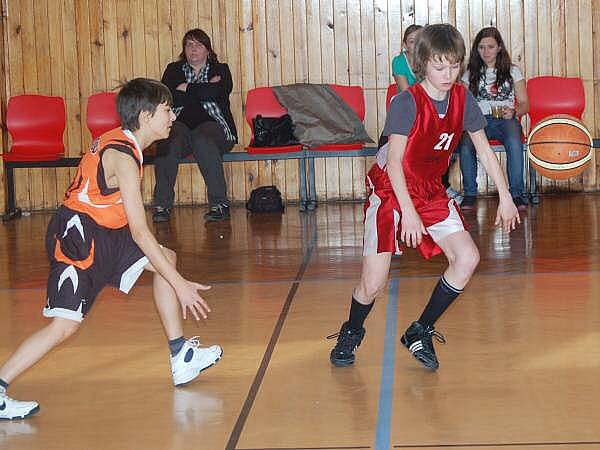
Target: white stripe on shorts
<point>452,224</point>
<point>131,275</point>
<point>370,237</point>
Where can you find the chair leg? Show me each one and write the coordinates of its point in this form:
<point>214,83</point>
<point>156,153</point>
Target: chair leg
<point>12,212</point>
<point>312,195</point>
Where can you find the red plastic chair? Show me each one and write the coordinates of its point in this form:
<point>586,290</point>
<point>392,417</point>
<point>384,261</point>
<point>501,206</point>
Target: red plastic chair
<point>354,97</point>
<point>555,95</point>
<point>262,101</point>
<point>102,113</point>
<point>392,90</point>
<point>36,124</point>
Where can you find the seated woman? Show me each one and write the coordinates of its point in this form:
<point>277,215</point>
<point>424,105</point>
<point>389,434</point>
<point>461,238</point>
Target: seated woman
<point>401,64</point>
<point>200,86</point>
<point>499,88</point>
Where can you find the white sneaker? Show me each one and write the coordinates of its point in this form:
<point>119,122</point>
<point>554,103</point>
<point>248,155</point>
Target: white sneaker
<point>14,409</point>
<point>193,359</point>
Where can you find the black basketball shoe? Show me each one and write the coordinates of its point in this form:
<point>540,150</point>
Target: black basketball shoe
<point>348,341</point>
<point>419,341</point>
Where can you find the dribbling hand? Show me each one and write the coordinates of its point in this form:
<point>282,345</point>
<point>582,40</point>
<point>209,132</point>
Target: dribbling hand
<point>507,216</point>
<point>190,299</point>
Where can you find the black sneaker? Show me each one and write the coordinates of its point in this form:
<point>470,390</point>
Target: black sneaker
<point>348,341</point>
<point>520,203</point>
<point>419,341</point>
<point>468,202</point>
<point>161,214</point>
<point>217,212</point>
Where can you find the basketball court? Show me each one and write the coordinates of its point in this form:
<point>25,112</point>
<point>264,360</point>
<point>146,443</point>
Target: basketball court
<point>520,369</point>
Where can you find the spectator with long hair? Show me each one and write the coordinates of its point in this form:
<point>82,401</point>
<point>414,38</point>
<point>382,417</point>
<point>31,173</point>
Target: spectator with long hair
<point>499,89</point>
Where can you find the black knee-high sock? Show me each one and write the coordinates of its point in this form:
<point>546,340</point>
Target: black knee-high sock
<point>358,314</point>
<point>442,296</point>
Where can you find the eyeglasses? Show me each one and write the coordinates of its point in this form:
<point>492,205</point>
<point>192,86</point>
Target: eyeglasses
<point>194,44</point>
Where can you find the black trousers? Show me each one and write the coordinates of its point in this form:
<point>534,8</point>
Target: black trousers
<point>208,144</point>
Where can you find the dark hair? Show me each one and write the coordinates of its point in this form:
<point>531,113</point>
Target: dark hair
<point>410,30</point>
<point>438,40</point>
<point>138,95</point>
<point>200,36</point>
<point>477,67</point>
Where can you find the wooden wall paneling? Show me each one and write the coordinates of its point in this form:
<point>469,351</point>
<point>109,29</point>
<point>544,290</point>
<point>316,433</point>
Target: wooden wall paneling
<point>421,12</point>
<point>261,78</point>
<point>178,28</point>
<point>572,20</point>
<point>28,189</point>
<point>374,94</point>
<point>334,61</point>
<point>246,42</point>
<point>355,71</point>
<point>52,190</point>
<point>137,38</point>
<point>326,170</point>
<point>286,172</point>
<point>383,63</point>
<point>462,22</point>
<point>586,72</point>
<point>300,41</point>
<point>342,77</point>
<point>489,13</point>
<point>503,21</point>
<point>435,11</point>
<point>111,44</point>
<point>266,169</point>
<point>449,11</point>
<point>313,40</point>
<point>544,32</point>
<point>475,17</point>
<point>98,68</point>
<point>559,57</point>
<point>190,8</point>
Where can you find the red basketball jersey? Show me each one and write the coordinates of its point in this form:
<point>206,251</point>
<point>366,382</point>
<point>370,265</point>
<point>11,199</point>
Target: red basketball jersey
<point>432,139</point>
<point>88,192</point>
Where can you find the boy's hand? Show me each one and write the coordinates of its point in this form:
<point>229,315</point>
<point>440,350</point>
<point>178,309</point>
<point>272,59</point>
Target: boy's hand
<point>188,296</point>
<point>507,215</point>
<point>412,228</point>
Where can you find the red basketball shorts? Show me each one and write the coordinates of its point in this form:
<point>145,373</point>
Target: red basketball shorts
<point>440,215</point>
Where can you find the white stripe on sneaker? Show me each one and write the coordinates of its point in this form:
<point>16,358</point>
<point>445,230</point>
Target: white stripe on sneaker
<point>416,346</point>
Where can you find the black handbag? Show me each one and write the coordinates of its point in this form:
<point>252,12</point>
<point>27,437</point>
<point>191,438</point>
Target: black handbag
<point>273,131</point>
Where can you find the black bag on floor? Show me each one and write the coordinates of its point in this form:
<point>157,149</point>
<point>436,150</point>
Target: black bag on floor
<point>265,199</point>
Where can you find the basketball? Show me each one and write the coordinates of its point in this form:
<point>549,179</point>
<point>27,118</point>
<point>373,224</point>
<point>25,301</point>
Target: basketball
<point>559,147</point>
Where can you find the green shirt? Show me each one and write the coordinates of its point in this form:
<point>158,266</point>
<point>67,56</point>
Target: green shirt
<point>400,66</point>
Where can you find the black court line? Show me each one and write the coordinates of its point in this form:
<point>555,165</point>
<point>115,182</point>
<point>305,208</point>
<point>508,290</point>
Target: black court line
<point>501,444</point>
<point>241,420</point>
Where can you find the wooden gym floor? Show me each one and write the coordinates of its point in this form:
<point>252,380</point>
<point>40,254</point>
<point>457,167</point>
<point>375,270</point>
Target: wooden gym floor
<point>521,368</point>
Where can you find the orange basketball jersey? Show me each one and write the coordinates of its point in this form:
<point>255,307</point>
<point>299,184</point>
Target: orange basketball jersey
<point>89,193</point>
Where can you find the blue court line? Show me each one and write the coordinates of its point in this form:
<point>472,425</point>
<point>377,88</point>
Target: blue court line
<point>386,393</point>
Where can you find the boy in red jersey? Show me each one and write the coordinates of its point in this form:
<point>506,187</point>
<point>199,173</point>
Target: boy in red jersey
<point>100,236</point>
<point>407,201</point>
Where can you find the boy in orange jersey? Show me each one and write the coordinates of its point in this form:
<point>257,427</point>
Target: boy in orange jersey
<point>100,236</point>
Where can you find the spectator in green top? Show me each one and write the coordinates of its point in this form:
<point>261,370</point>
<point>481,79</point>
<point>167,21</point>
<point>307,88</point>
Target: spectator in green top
<point>401,64</point>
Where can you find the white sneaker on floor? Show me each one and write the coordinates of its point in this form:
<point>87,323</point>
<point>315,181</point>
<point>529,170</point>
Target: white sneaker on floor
<point>13,409</point>
<point>193,359</point>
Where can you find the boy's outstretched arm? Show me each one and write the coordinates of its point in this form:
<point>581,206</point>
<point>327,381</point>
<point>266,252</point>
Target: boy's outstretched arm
<point>507,214</point>
<point>127,176</point>
<point>412,226</point>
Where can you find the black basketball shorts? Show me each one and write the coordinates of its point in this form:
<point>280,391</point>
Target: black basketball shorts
<point>85,257</point>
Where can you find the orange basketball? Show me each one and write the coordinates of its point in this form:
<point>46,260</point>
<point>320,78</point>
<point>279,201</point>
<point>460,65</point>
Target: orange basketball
<point>559,147</point>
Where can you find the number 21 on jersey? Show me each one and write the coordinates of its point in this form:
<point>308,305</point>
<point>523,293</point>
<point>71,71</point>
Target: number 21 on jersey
<point>444,142</point>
